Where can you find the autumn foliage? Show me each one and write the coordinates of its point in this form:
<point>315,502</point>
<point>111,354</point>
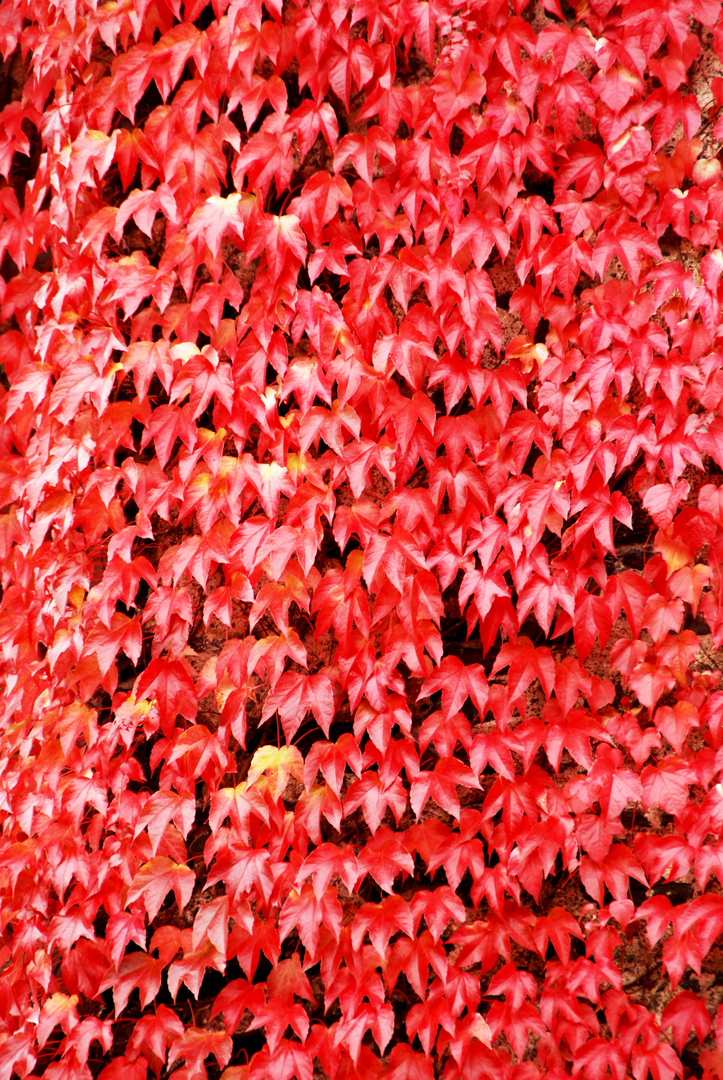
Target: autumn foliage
<point>361,536</point>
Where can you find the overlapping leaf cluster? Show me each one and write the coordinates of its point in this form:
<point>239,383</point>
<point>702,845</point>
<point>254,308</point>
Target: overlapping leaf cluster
<point>361,537</point>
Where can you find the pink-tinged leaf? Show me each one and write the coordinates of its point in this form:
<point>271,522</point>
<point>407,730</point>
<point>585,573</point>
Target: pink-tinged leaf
<point>648,682</point>
<point>211,924</point>
<point>58,1010</point>
<point>666,785</point>
<point>162,807</point>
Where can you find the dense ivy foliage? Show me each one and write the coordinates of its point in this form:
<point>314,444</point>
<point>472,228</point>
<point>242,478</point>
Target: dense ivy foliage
<point>361,539</point>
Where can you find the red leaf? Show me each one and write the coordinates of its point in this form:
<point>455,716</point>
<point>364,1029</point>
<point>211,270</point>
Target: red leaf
<point>137,970</point>
<point>152,1033</point>
<point>526,663</point>
<point>289,1059</point>
<point>169,684</point>
<point>196,1044</point>
<point>658,913</point>
<point>235,998</point>
<point>441,785</point>
<point>557,926</point>
<point>666,784</point>
<point>661,1060</point>
<point>457,682</point>
<point>384,857</point>
<point>686,1013</point>
<point>275,1016</point>
<point>156,879</point>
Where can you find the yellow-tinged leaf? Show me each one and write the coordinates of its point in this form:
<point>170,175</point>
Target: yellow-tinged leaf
<point>278,764</point>
<point>688,583</point>
<point>674,550</point>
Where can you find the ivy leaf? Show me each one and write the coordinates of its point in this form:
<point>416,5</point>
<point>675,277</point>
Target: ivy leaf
<point>457,682</point>
<point>170,685</point>
<point>137,970</point>
<point>665,784</point>
<point>440,785</point>
<point>525,663</point>
<point>686,1013</point>
<point>237,996</point>
<point>156,879</point>
<point>196,1044</point>
<point>153,1032</point>
<point>290,1059</point>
